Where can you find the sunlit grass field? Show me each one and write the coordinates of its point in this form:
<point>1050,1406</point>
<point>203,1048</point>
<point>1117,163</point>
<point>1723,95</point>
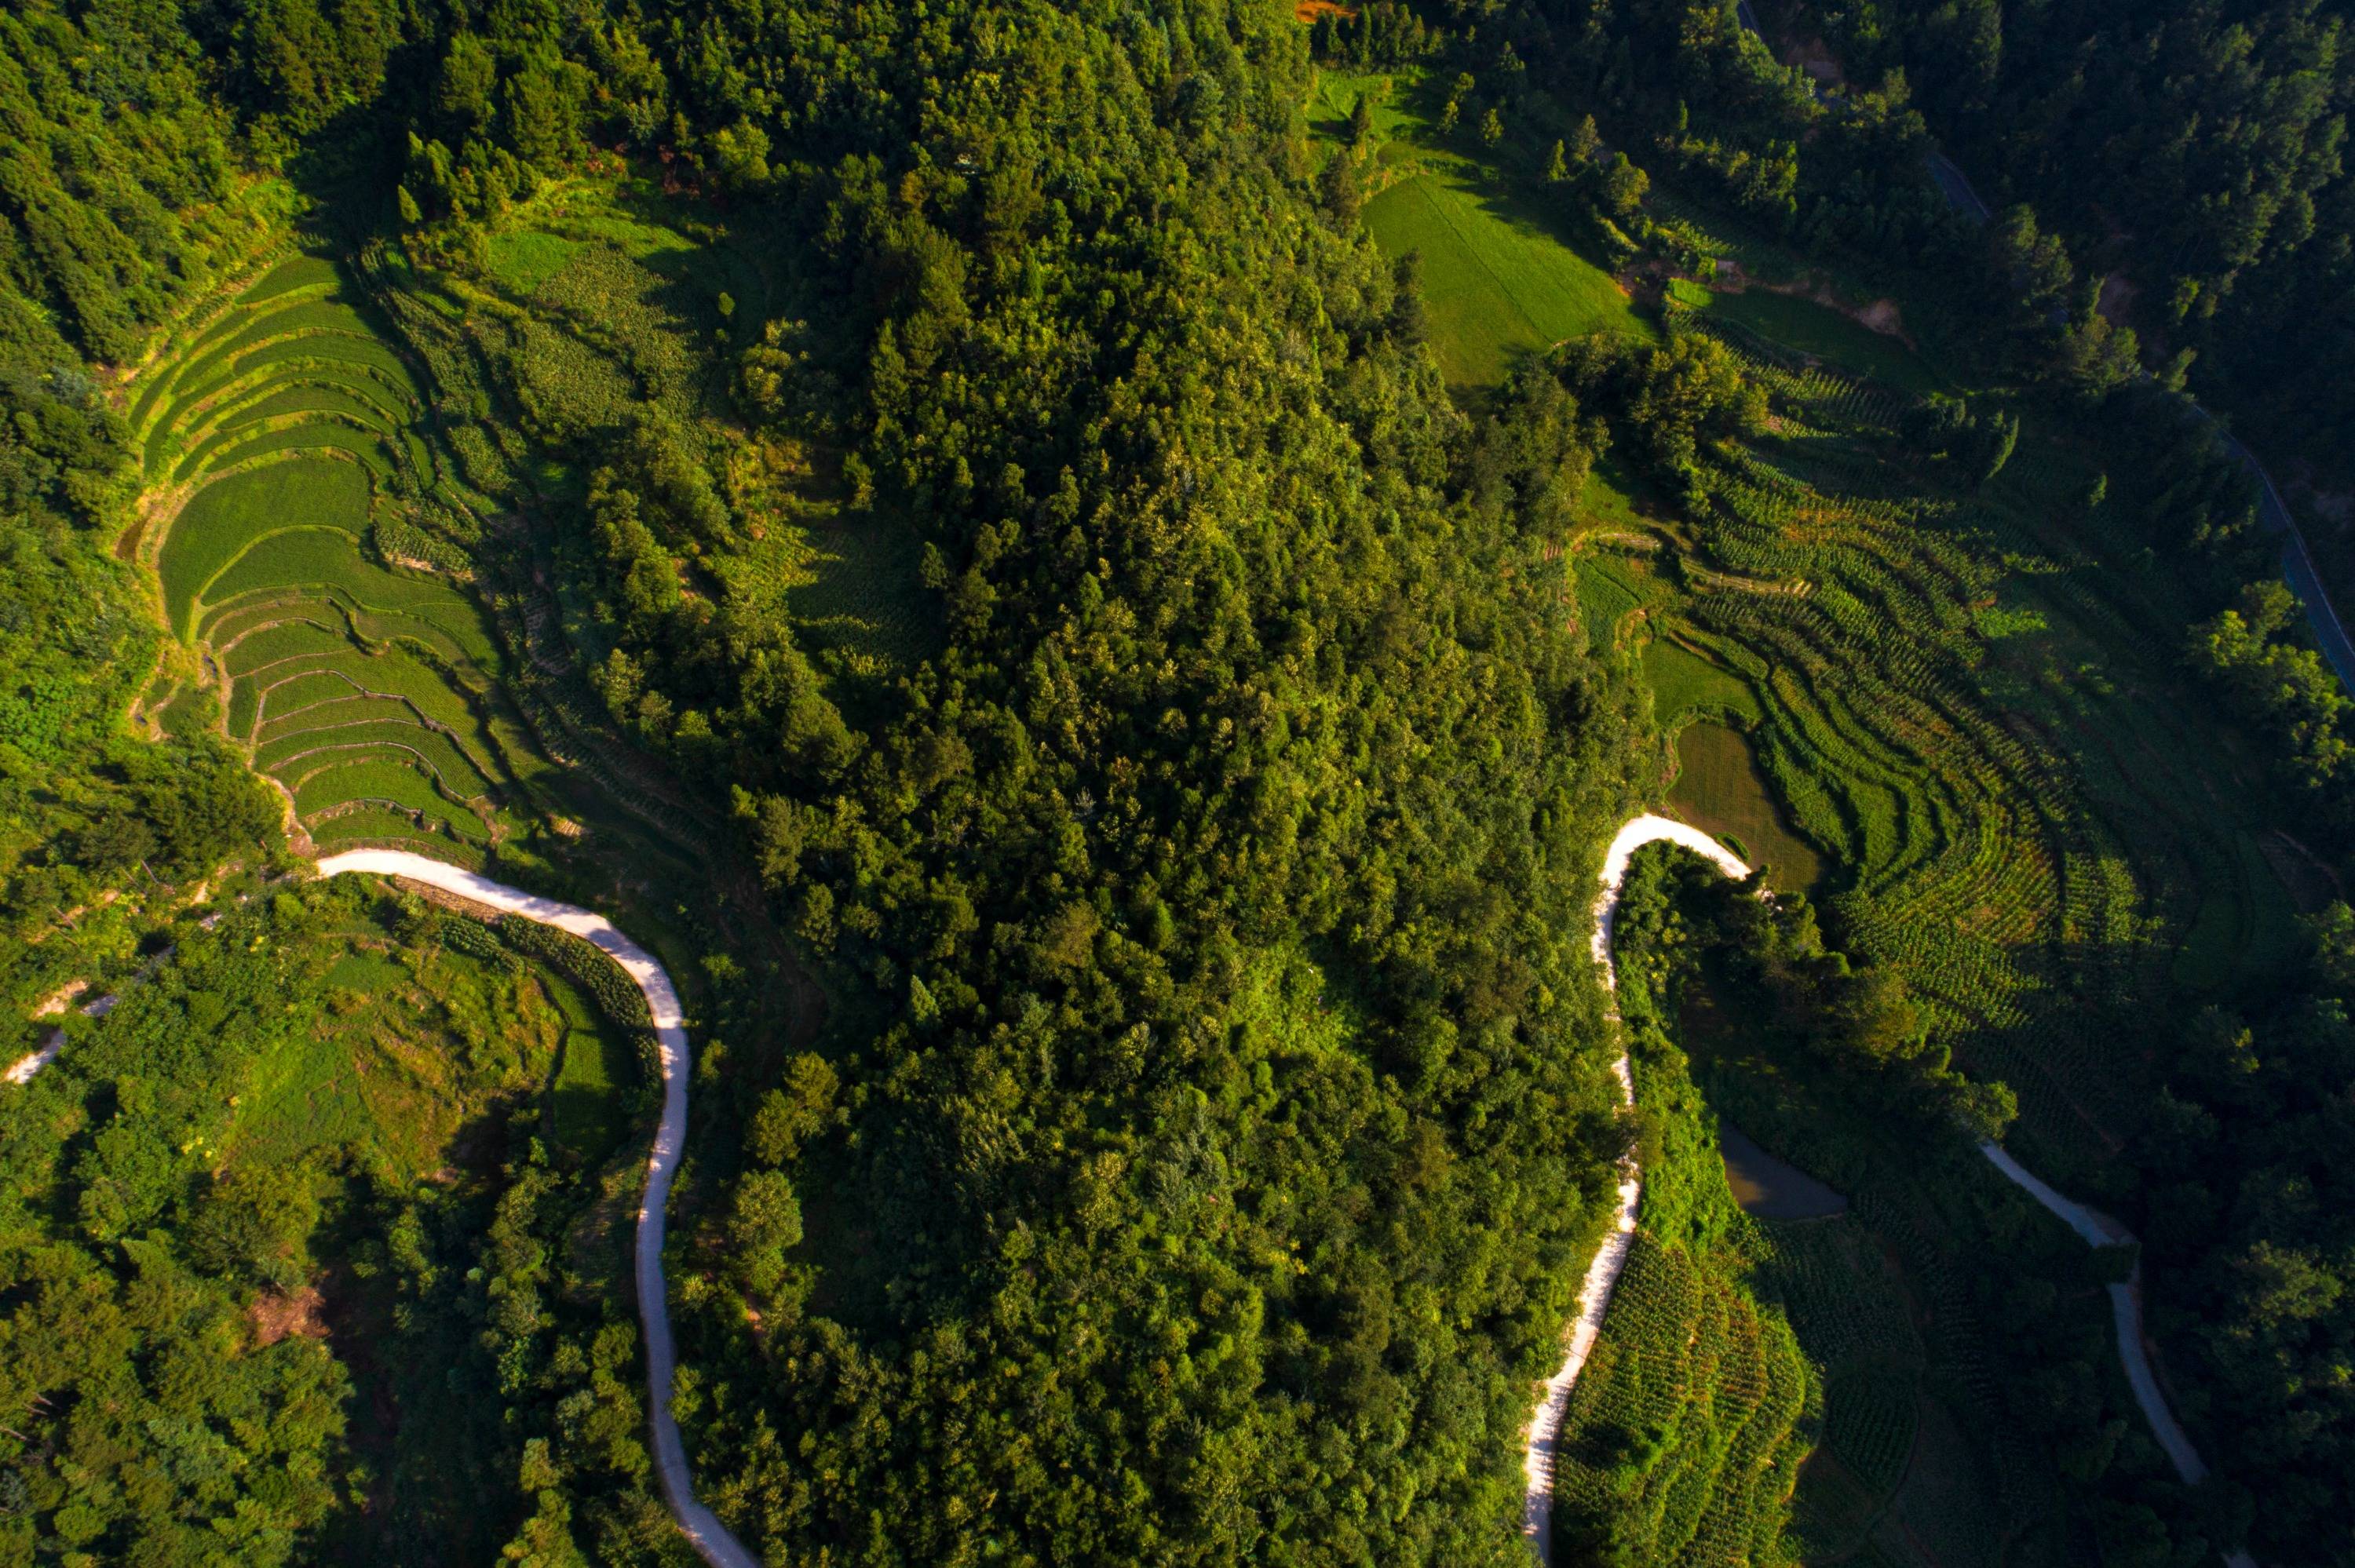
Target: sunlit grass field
<point>1500,279</point>
<point>279,439</point>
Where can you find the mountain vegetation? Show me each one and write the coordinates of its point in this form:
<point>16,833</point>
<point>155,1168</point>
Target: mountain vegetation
<point>1094,579</point>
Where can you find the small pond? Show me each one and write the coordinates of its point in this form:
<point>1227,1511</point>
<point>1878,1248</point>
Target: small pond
<point>1771,1189</point>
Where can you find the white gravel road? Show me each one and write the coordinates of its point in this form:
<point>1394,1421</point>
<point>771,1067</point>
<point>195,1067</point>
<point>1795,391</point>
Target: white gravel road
<point>701,1526</point>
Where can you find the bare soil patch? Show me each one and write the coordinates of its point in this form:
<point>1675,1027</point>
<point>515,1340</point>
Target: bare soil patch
<point>1814,57</point>
<point>274,1316</point>
<point>1882,315</point>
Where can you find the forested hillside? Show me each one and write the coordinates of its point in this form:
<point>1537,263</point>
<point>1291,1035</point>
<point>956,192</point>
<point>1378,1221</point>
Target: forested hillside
<point>2196,155</point>
<point>1093,578</point>
<point>1216,1103</point>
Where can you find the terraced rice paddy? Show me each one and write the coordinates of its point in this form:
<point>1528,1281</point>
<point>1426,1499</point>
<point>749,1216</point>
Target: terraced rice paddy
<point>2011,818</point>
<point>280,442</point>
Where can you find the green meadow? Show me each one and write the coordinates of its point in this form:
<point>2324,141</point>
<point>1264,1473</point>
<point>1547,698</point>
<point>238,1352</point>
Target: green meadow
<point>1502,277</point>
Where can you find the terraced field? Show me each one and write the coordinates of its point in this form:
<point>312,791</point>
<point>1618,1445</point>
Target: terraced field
<point>1958,709</point>
<point>1684,1433</point>
<point>286,467</point>
<point>1951,693</point>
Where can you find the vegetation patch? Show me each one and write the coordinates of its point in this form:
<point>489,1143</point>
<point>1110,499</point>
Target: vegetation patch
<point>1499,275</point>
<point>368,692</point>
<point>1499,284</point>
<point>1721,790</point>
<point>1810,328</point>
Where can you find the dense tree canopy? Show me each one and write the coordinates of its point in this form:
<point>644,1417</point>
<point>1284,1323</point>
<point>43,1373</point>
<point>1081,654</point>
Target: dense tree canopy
<point>1213,1111</point>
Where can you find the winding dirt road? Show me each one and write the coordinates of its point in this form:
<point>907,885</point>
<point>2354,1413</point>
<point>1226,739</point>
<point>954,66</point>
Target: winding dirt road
<point>701,1526</point>
<point>1611,1258</point>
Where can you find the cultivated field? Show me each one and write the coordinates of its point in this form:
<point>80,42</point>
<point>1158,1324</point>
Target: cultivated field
<point>1720,790</point>
<point>1955,710</point>
<point>1943,695</point>
<point>285,462</point>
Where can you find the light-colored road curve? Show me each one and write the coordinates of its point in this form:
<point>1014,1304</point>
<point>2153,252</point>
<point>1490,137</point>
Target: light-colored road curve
<point>711,1538</point>
<point>1611,1257</point>
<point>2097,1229</point>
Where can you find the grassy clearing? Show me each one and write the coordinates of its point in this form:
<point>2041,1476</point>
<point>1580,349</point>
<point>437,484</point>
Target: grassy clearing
<point>521,260</point>
<point>1617,498</point>
<point>1502,277</point>
<point>1719,789</point>
<point>409,1050</point>
<point>1498,285</point>
<point>862,607</point>
<point>585,1107</point>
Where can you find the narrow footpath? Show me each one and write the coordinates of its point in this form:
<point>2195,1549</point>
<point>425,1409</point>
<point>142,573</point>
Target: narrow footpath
<point>711,1538</point>
<point>1611,1259</point>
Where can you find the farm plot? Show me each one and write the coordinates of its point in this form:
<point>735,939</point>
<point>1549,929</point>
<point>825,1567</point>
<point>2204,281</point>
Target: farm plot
<point>1719,789</point>
<point>1955,717</point>
<point>1682,1432</point>
<point>277,442</point>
